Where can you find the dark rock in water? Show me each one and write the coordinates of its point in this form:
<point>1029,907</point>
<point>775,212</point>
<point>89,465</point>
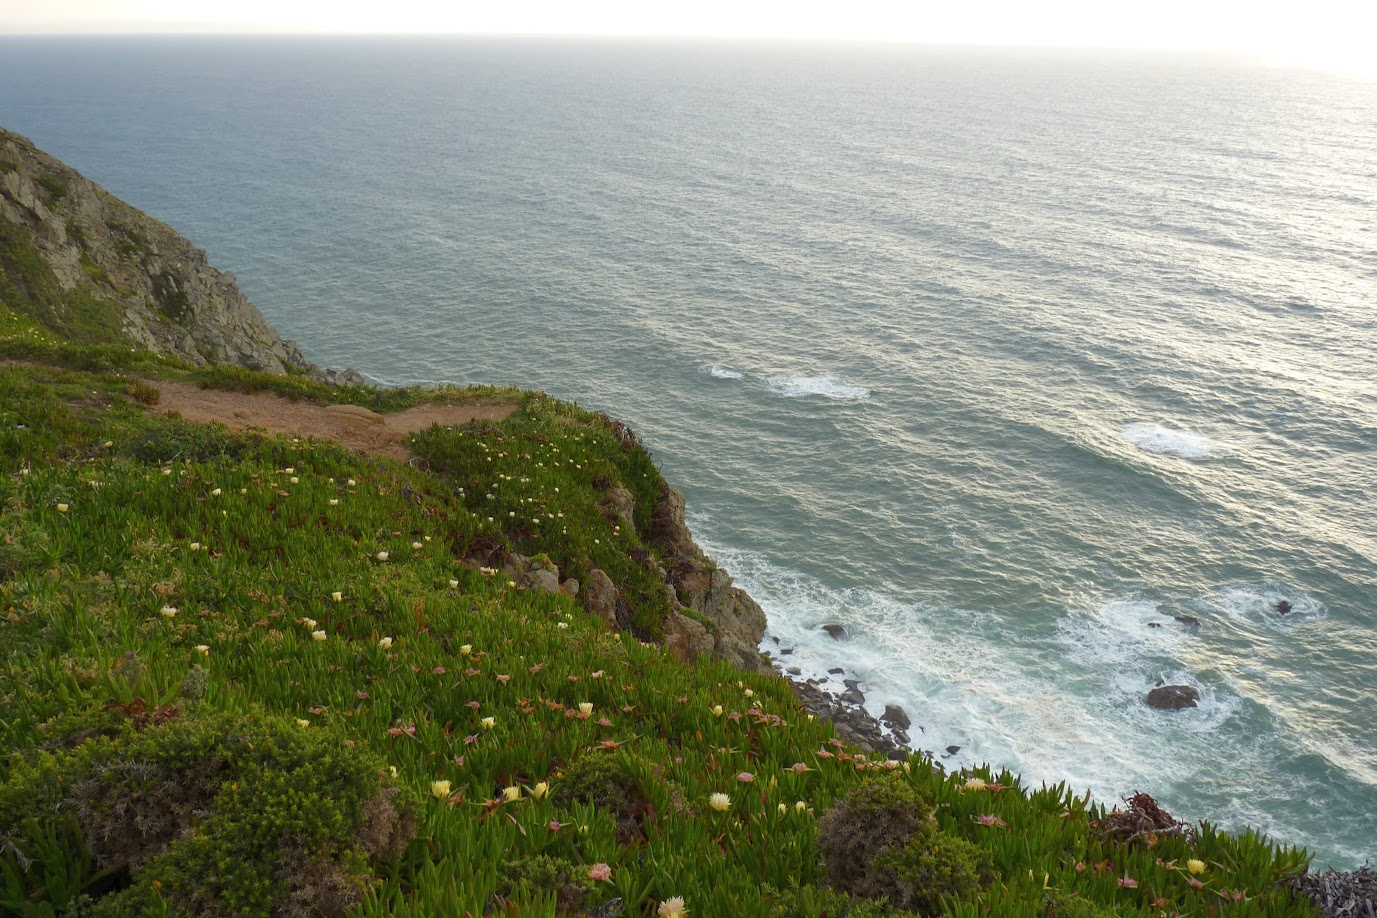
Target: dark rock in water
<point>775,639</point>
<point>852,683</point>
<point>785,651</point>
<point>953,750</point>
<point>1190,621</point>
<point>897,716</point>
<point>794,671</point>
<point>836,671</point>
<point>1172,697</point>
<point>902,737</point>
<point>1282,607</point>
<point>838,632</point>
<point>1154,624</point>
<point>852,696</point>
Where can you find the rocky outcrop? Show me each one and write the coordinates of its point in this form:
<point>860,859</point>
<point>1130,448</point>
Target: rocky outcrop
<point>735,623</point>
<point>1172,697</point>
<point>166,296</point>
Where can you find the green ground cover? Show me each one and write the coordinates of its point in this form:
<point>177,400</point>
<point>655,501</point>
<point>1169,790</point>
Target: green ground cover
<point>253,675</point>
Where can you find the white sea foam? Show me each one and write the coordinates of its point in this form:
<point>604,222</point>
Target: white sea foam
<point>720,372</point>
<point>1154,438</point>
<point>827,386</point>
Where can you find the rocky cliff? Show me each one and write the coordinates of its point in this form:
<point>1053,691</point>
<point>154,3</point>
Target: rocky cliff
<point>87,265</point>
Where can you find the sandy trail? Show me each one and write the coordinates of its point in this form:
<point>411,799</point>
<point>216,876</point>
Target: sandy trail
<point>349,425</point>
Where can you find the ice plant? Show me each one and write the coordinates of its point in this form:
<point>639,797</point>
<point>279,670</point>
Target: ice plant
<point>1195,865</point>
<point>488,723</point>
<point>585,708</point>
<point>216,492</point>
<point>599,872</point>
<point>540,790</point>
<point>720,802</point>
<point>439,789</point>
<point>337,596</point>
<point>465,649</point>
<point>61,508</point>
<point>385,642</point>
<point>302,722</point>
<point>381,556</point>
<point>203,649</point>
<point>672,908</point>
<point>317,635</point>
<point>745,777</point>
<point>169,611</point>
<point>717,709</point>
<point>416,545</point>
<point>454,584</point>
<point>511,794</point>
<point>974,784</point>
<point>310,623</point>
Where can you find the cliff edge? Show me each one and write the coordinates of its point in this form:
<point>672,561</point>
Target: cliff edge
<point>91,267</point>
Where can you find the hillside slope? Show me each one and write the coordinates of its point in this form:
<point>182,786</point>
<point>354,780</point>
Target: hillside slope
<point>87,265</point>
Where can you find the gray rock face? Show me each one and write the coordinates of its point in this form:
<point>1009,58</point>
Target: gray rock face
<point>1172,697</point>
<point>838,632</point>
<point>737,620</point>
<point>896,716</point>
<point>601,597</point>
<point>168,298</point>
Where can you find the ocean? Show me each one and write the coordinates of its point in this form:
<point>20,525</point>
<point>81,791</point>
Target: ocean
<point>1001,359</point>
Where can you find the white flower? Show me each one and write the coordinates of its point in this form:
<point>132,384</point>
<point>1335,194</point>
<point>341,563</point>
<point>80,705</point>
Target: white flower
<point>454,584</point>
<point>416,545</point>
<point>317,635</point>
<point>720,802</point>
<point>167,471</point>
<point>352,482</point>
<point>295,479</point>
<point>337,596</point>
<point>564,624</point>
<point>385,643</point>
<point>334,501</point>
<point>203,649</point>
<point>750,693</point>
<point>381,556</point>
<point>216,493</point>
<point>783,808</point>
<point>585,708</point>
<point>310,623</point>
<point>195,546</point>
<point>672,908</point>
<point>488,723</point>
<point>974,783</point>
<point>717,709</point>
<point>800,806</point>
<point>169,611</point>
<point>439,789</point>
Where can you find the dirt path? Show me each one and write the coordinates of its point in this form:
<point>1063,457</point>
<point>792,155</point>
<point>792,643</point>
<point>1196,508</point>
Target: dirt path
<point>349,425</point>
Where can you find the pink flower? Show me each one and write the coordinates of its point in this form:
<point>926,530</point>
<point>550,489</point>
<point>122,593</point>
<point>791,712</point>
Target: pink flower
<point>799,768</point>
<point>599,872</point>
<point>745,777</point>
<point>1128,882</point>
<point>504,678</point>
<point>555,825</point>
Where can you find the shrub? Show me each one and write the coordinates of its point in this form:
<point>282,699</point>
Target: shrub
<point>545,875</point>
<point>605,782</point>
<point>881,842</point>
<point>1063,905</point>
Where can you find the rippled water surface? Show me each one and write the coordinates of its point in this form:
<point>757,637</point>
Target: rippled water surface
<point>1002,361</point>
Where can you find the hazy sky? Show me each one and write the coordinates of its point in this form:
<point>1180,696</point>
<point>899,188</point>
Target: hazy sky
<point>1338,33</point>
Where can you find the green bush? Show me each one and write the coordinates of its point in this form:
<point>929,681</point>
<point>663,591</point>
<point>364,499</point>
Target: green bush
<point>605,782</point>
<point>205,812</point>
<point>881,842</point>
<point>553,877</point>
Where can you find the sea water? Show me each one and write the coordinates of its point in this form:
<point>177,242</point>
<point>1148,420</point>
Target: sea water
<point>1003,360</point>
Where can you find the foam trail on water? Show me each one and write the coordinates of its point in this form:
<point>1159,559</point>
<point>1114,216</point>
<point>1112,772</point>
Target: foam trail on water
<point>1154,438</point>
<point>720,372</point>
<point>827,386</point>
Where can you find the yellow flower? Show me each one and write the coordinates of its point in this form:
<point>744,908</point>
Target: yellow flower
<point>750,693</point>
<point>385,643</point>
<point>672,908</point>
<point>974,783</point>
<point>416,545</point>
<point>393,769</point>
<point>783,808</point>
<point>488,723</point>
<point>381,556</point>
<point>585,708</point>
<point>351,482</point>
<point>216,493</point>
<point>169,611</point>
<point>439,789</point>
<point>337,596</point>
<point>720,802</point>
<point>317,635</point>
<point>465,649</point>
<point>195,546</point>
<point>302,723</point>
<point>310,623</point>
<point>540,790</point>
<point>717,709</point>
<point>511,794</point>
<point>800,806</point>
<point>1195,866</point>
<point>295,479</point>
<point>61,508</point>
<point>334,501</point>
<point>290,470</point>
<point>454,584</point>
<point>203,649</point>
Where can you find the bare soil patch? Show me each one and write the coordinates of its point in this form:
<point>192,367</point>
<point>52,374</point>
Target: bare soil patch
<point>349,425</point>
